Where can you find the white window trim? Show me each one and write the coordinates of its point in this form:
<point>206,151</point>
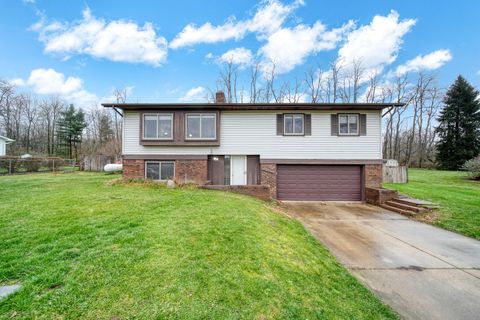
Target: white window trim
<point>293,115</point>
<point>348,124</point>
<point>160,169</point>
<point>158,121</point>
<point>200,126</point>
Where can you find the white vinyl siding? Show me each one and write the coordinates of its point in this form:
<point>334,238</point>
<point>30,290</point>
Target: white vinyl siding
<point>254,132</point>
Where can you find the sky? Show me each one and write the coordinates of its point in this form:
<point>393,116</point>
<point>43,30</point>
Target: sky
<point>172,51</point>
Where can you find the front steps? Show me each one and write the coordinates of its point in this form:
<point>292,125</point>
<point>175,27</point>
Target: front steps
<point>408,206</point>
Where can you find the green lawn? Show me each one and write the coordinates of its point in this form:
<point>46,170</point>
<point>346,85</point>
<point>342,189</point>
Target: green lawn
<point>458,197</point>
<point>83,248</point>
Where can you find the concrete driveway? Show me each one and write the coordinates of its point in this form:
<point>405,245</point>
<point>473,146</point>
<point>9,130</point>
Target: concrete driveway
<point>421,271</point>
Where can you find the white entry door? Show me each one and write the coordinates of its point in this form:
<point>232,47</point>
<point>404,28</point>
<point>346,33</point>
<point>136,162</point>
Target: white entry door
<point>238,170</point>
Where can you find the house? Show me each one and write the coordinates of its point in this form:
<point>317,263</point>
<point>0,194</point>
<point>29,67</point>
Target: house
<point>3,145</point>
<point>301,151</point>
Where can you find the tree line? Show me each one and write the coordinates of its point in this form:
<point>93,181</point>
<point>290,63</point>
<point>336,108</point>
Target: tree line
<point>435,127</point>
<point>413,134</point>
<point>48,126</point>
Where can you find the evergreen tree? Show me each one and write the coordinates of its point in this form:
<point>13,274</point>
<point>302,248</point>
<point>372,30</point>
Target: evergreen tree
<point>69,134</point>
<point>459,126</point>
<point>105,131</point>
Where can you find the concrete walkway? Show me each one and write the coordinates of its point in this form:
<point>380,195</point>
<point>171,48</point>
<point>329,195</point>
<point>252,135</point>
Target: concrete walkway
<point>421,271</point>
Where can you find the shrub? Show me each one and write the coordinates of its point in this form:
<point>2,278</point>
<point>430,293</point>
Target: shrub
<point>473,167</point>
<point>32,165</point>
<point>59,164</point>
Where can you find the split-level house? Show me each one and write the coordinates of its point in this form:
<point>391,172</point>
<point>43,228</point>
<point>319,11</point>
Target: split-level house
<point>301,151</point>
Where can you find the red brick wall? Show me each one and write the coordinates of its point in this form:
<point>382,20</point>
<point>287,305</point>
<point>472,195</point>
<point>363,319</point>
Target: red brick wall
<point>379,195</point>
<point>373,175</point>
<point>269,177</point>
<point>196,171</point>
<point>133,169</point>
<point>188,171</point>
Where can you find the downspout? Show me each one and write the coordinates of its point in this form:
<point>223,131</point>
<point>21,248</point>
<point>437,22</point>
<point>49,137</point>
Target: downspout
<point>118,112</point>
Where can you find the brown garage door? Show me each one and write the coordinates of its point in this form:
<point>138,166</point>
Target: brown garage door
<point>319,182</point>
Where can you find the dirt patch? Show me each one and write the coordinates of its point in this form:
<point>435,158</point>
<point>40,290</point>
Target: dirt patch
<point>428,217</point>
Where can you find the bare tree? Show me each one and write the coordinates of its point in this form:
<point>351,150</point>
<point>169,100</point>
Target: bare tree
<point>229,75</point>
<point>31,117</point>
<point>313,80</point>
<point>255,90</point>
<point>120,97</point>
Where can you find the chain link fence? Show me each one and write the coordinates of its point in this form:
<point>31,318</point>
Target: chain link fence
<point>13,165</point>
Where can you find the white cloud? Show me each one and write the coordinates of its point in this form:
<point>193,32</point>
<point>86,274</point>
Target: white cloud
<point>241,56</point>
<point>289,47</point>
<point>268,18</point>
<point>196,94</point>
<point>17,82</point>
<point>207,33</point>
<point>375,45</point>
<point>51,82</point>
<point>431,61</point>
<point>118,40</point>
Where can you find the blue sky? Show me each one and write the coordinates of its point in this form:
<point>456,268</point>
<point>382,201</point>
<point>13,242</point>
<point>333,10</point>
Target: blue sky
<point>171,51</point>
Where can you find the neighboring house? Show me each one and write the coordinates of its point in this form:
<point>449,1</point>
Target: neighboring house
<point>3,145</point>
<point>302,151</point>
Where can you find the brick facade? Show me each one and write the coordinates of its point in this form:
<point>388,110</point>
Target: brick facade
<point>373,175</point>
<point>379,195</point>
<point>133,169</point>
<point>269,177</point>
<point>186,171</point>
<point>196,171</point>
<point>191,171</point>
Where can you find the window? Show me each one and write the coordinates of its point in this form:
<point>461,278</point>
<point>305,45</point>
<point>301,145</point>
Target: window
<point>201,126</point>
<point>159,170</point>
<point>293,124</point>
<point>157,126</point>
<point>226,172</point>
<point>348,124</point>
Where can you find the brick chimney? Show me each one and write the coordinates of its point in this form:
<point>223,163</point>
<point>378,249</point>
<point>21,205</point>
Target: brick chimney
<point>219,97</point>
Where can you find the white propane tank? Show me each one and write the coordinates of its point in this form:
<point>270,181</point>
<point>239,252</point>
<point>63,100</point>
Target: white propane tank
<point>113,167</point>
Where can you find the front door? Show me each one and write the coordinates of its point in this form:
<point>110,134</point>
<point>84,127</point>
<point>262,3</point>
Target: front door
<point>238,170</point>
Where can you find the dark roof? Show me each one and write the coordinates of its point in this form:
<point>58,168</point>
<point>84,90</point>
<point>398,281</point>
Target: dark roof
<point>253,106</point>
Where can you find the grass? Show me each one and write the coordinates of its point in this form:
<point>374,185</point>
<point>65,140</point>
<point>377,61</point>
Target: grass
<point>458,197</point>
<point>83,248</point>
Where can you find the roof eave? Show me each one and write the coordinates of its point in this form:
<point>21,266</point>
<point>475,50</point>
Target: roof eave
<point>7,140</point>
<point>254,106</point>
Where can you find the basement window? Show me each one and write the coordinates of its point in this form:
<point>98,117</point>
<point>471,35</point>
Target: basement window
<point>159,170</point>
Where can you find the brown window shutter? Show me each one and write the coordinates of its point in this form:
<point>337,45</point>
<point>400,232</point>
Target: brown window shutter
<point>363,124</point>
<point>334,124</point>
<point>279,124</point>
<point>308,124</point>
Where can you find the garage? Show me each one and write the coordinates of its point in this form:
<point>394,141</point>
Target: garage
<point>319,182</point>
